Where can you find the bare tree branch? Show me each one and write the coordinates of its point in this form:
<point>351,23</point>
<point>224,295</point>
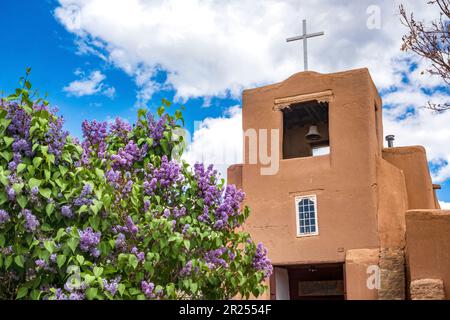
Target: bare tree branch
<point>432,42</point>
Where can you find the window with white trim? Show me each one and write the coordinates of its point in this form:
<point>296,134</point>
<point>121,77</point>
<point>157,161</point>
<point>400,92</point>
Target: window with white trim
<point>306,214</point>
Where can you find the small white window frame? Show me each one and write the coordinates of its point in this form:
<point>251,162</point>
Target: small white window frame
<point>313,198</point>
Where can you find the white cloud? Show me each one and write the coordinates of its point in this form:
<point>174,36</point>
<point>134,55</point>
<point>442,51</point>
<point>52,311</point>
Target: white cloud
<point>218,141</point>
<point>89,85</point>
<point>445,205</point>
<point>212,48</point>
<point>217,48</point>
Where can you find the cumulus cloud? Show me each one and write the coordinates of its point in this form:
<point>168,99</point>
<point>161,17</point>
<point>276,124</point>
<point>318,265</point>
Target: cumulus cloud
<point>445,205</point>
<point>89,85</point>
<point>217,48</point>
<point>218,141</point>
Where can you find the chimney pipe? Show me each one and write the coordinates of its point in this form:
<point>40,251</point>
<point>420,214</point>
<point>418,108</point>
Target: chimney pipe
<point>390,140</point>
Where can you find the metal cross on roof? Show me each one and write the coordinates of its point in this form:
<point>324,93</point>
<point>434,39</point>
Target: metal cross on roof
<point>305,37</point>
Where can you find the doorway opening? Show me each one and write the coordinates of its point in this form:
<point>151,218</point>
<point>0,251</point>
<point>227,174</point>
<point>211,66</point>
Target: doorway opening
<point>308,282</point>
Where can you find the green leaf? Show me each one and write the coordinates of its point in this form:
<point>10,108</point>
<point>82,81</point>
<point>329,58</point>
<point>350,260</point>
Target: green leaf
<point>91,293</point>
<point>187,244</point>
<point>22,200</point>
<point>170,289</point>
<point>49,208</point>
<point>80,259</point>
<point>37,161</point>
<point>22,292</point>
<point>45,192</point>
<point>63,170</point>
<point>49,245</point>
<point>60,260</point>
<point>73,243</point>
<point>19,260</point>
<point>133,261</point>
<point>98,271</point>
<point>121,288</point>
<point>100,173</point>
<point>8,261</point>
<point>194,287</point>
<point>21,167</point>
<point>33,182</point>
<point>8,141</point>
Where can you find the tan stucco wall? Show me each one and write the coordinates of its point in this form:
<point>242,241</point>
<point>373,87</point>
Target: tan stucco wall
<point>344,181</point>
<point>413,162</point>
<point>428,245</point>
<point>392,205</point>
<point>357,272</point>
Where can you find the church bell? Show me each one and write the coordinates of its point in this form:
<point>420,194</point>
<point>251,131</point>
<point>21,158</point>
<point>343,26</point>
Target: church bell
<point>313,134</point>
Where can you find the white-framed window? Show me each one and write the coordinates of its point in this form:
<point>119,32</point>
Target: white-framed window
<point>306,216</point>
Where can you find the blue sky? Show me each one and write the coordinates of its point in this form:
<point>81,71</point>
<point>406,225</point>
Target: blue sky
<point>203,54</point>
<point>32,37</point>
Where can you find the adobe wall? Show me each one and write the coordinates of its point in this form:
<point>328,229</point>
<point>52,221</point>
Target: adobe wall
<point>428,246</point>
<point>345,181</point>
<point>413,162</point>
<point>392,205</point>
<point>360,275</point>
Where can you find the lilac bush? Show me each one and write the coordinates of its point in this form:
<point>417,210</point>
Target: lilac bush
<point>115,216</point>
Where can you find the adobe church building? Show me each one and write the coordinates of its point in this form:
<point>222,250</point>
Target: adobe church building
<point>342,209</point>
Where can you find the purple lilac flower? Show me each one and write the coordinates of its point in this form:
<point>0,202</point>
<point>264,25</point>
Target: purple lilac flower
<point>112,285</point>
<point>89,241</point>
<point>187,269</point>
<point>149,187</point>
<point>84,199</point>
<point>147,288</point>
<point>113,177</point>
<point>4,217</point>
<point>60,295</point>
<point>76,296</point>
<point>185,228</point>
<point>53,257</point>
<point>139,255</point>
<point>31,222</point>
<point>56,137</point>
<point>146,205</point>
<point>94,134</point>
<point>120,128</point>
<point>66,211</point>
<point>168,173</point>
<point>156,128</point>
<point>11,193</point>
<point>213,258</point>
<point>126,157</point>
<point>179,212</point>
<point>261,262</point>
<point>121,242</point>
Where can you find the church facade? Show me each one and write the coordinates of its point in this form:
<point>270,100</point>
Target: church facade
<point>343,217</point>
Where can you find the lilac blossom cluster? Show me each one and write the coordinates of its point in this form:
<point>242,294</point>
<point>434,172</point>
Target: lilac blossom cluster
<point>4,217</point>
<point>31,221</point>
<point>147,288</point>
<point>224,205</point>
<point>89,241</point>
<point>56,137</point>
<point>112,285</point>
<point>261,262</point>
<point>156,128</point>
<point>126,157</point>
<point>167,174</point>
<point>84,198</point>
<point>214,258</point>
<point>94,134</point>
<point>120,128</point>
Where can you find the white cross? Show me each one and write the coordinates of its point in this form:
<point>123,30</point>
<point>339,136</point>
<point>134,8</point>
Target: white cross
<point>305,37</point>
